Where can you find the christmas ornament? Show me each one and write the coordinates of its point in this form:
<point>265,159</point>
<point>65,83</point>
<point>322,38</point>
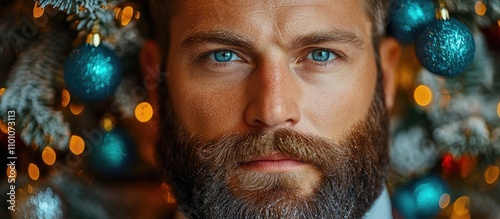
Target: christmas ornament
<point>406,16</point>
<point>420,198</point>
<point>114,154</point>
<point>34,201</point>
<point>92,71</point>
<point>445,46</point>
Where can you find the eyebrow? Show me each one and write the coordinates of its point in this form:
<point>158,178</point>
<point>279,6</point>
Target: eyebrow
<point>220,37</point>
<point>227,38</point>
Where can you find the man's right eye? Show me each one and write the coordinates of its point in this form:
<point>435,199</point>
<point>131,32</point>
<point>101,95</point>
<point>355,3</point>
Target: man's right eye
<point>223,56</point>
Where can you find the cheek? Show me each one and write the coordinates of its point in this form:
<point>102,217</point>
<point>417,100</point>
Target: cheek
<point>333,109</point>
<point>209,111</point>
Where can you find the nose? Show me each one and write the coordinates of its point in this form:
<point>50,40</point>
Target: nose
<point>274,96</point>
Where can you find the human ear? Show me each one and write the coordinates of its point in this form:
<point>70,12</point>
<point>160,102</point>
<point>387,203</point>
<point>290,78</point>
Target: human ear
<point>149,60</point>
<point>390,53</point>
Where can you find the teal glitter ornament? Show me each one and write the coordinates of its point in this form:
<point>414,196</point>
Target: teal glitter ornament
<point>37,201</point>
<point>445,47</point>
<point>114,154</point>
<point>420,198</point>
<point>92,73</point>
<point>407,16</point>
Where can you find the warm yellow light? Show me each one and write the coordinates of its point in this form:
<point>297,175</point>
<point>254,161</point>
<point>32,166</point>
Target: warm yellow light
<point>444,200</point>
<point>2,90</point>
<point>76,109</point>
<point>49,156</point>
<point>144,112</point>
<point>117,11</point>
<point>107,122</point>
<point>498,109</point>
<point>461,206</point>
<point>37,10</point>
<point>491,174</point>
<point>480,8</point>
<point>76,144</point>
<point>33,171</point>
<point>4,127</point>
<point>127,14</point>
<point>65,97</point>
<point>11,173</point>
<point>423,95</point>
<point>137,15</point>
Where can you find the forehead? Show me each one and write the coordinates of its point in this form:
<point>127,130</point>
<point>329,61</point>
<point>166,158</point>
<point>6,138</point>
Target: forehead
<point>281,18</point>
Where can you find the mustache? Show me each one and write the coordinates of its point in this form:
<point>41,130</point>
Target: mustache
<point>229,151</point>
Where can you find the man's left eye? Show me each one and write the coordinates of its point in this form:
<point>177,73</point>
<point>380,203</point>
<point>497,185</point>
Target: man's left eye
<point>223,56</point>
<point>321,55</point>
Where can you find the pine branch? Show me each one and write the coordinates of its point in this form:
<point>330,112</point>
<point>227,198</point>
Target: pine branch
<point>87,12</point>
<point>30,91</point>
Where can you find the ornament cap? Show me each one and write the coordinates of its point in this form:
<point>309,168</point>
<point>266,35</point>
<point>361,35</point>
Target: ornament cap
<point>442,12</point>
<point>94,38</point>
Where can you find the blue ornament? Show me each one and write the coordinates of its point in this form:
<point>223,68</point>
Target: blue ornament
<point>445,47</point>
<point>92,73</point>
<point>38,202</point>
<point>407,16</point>
<point>420,198</point>
<point>114,154</point>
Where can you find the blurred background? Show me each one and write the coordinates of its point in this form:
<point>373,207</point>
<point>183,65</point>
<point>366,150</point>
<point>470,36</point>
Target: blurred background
<point>78,128</point>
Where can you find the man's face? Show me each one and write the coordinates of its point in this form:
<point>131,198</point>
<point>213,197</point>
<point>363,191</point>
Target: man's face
<point>273,109</point>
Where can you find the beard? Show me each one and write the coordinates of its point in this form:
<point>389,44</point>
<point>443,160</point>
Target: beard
<point>208,181</point>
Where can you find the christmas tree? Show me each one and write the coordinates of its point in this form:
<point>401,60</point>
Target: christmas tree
<point>79,128</point>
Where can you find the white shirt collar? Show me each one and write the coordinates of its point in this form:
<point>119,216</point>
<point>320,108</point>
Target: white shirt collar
<point>381,208</point>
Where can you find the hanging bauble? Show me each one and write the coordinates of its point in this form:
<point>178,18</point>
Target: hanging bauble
<point>36,201</point>
<point>92,73</point>
<point>445,47</point>
<point>420,198</point>
<point>114,154</point>
<point>406,16</point>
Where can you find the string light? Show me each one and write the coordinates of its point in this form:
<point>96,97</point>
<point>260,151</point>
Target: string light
<point>76,109</point>
<point>423,95</point>
<point>444,200</point>
<point>461,206</point>
<point>49,155</point>
<point>491,174</point>
<point>76,144</point>
<point>498,109</point>
<point>11,173</point>
<point>2,90</point>
<point>65,97</point>
<point>108,122</point>
<point>37,10</point>
<point>144,112</point>
<point>33,171</point>
<point>480,8</point>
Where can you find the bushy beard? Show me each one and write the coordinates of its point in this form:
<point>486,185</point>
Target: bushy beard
<point>208,182</point>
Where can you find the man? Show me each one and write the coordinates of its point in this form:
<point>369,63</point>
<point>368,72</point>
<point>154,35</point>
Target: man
<point>274,109</point>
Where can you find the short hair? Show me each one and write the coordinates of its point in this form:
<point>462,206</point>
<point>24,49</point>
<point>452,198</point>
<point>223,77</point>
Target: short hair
<point>162,10</point>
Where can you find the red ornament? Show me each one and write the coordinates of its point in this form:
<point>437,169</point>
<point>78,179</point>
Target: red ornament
<point>463,165</point>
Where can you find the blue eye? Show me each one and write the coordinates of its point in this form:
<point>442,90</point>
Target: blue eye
<point>223,56</point>
<point>321,55</point>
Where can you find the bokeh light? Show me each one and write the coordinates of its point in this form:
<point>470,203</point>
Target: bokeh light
<point>2,90</point>
<point>108,122</point>
<point>423,95</point>
<point>491,174</point>
<point>65,97</point>
<point>461,207</point>
<point>4,127</point>
<point>76,109</point>
<point>33,171</point>
<point>480,8</point>
<point>37,11</point>
<point>444,201</point>
<point>49,156</point>
<point>144,112</point>
<point>76,144</point>
<point>498,109</point>
<point>126,15</point>
<point>11,173</point>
